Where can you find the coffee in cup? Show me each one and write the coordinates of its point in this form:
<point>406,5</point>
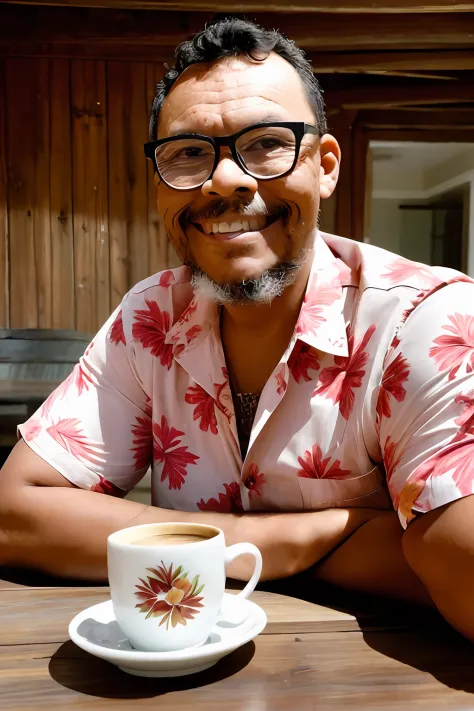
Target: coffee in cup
<point>168,539</point>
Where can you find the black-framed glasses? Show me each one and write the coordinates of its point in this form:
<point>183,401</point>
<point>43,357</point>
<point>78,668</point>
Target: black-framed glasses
<point>265,151</point>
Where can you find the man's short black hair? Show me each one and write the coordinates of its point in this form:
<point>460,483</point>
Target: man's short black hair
<point>233,36</point>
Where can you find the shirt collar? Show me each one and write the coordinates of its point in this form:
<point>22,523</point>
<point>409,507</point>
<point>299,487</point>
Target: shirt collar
<point>197,320</point>
<point>320,324</point>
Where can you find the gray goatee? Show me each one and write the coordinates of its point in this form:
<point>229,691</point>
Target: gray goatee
<point>262,290</point>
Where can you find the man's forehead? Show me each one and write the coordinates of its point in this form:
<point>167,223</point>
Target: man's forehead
<point>222,93</point>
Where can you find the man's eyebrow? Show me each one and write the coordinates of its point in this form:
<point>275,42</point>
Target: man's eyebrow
<point>271,118</point>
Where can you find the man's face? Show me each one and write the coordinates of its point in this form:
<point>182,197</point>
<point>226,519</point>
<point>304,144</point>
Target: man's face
<point>220,99</point>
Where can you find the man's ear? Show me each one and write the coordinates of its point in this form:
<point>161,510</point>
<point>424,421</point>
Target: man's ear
<point>330,153</point>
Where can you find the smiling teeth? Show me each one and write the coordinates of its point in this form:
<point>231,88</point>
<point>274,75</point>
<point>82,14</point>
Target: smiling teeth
<point>255,223</point>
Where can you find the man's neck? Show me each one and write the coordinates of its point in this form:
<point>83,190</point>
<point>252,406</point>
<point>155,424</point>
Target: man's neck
<point>255,337</point>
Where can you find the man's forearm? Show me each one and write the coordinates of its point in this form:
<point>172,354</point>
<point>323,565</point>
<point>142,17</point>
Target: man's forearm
<point>64,531</point>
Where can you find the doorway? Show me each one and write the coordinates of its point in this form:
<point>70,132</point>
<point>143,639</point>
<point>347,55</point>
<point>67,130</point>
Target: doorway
<point>421,201</point>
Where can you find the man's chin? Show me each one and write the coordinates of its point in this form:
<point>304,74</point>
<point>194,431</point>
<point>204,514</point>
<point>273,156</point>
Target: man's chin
<point>246,288</point>
<point>235,269</point>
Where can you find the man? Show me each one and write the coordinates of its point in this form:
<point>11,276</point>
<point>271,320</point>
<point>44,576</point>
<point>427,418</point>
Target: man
<point>290,387</point>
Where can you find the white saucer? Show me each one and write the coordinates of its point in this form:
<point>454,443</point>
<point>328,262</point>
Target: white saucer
<point>96,631</point>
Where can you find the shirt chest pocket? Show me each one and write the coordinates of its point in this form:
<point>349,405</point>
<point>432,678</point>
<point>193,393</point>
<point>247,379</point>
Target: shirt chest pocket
<point>365,490</point>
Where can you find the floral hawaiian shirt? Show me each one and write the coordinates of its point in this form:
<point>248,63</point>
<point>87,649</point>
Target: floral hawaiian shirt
<point>371,404</point>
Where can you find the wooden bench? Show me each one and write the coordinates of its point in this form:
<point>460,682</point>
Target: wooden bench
<point>32,363</point>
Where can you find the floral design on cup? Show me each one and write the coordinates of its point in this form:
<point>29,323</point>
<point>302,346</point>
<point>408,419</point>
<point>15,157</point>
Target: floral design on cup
<point>169,594</point>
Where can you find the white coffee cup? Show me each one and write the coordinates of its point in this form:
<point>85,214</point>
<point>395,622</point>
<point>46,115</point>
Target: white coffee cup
<point>167,593</point>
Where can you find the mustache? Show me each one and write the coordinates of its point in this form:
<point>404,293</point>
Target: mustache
<point>248,207</point>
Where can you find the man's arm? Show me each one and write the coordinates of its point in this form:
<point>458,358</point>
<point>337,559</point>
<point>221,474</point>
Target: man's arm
<point>439,547</point>
<point>48,524</point>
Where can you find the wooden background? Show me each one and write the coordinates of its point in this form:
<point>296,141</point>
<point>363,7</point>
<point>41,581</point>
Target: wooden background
<point>76,193</point>
<point>78,223</point>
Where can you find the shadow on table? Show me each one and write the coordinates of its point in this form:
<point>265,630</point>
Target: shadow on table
<point>416,636</point>
<point>439,651</point>
<point>77,670</point>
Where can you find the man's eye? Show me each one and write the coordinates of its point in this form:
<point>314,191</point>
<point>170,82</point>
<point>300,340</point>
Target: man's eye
<point>269,143</point>
<point>191,152</point>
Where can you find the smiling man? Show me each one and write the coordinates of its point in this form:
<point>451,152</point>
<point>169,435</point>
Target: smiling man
<point>299,390</point>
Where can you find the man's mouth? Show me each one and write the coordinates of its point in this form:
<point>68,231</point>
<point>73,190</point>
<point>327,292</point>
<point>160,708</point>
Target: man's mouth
<point>234,227</point>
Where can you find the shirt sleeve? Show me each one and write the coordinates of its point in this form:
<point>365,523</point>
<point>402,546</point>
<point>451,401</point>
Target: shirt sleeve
<point>95,428</point>
<point>425,406</point>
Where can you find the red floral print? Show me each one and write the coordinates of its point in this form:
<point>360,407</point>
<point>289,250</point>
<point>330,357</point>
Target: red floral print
<point>224,396</point>
<point>193,333</point>
<point>339,381</point>
<point>229,501</point>
<point>393,379</point>
<point>312,311</point>
<point>69,435</point>
<point>117,334</point>
<point>81,379</point>
<point>457,349</point>
<point>313,466</point>
<point>104,486</point>
<point>419,298</point>
<point>302,359</point>
<point>280,379</point>
<point>166,279</point>
<point>423,294</point>
<point>255,481</point>
<point>465,421</point>
<point>459,462</point>
<point>390,459</point>
<point>174,459</point>
<point>395,342</point>
<point>150,328</point>
<point>401,269</point>
<point>31,429</point>
<point>78,379</point>
<point>142,442</point>
<point>168,594</point>
<point>455,459</point>
<point>187,313</point>
<point>148,406</point>
<point>205,408</point>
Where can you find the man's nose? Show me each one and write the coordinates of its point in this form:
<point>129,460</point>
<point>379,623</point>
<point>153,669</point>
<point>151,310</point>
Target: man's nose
<point>228,179</point>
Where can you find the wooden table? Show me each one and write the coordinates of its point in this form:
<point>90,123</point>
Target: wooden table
<point>310,657</point>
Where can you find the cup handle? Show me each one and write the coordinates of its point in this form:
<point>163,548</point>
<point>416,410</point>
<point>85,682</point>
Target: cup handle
<point>232,552</point>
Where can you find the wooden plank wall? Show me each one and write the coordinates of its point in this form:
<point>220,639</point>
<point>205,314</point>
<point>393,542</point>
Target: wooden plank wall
<point>78,221</point>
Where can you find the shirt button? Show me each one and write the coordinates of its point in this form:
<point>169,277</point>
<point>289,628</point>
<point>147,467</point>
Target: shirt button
<point>249,482</point>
